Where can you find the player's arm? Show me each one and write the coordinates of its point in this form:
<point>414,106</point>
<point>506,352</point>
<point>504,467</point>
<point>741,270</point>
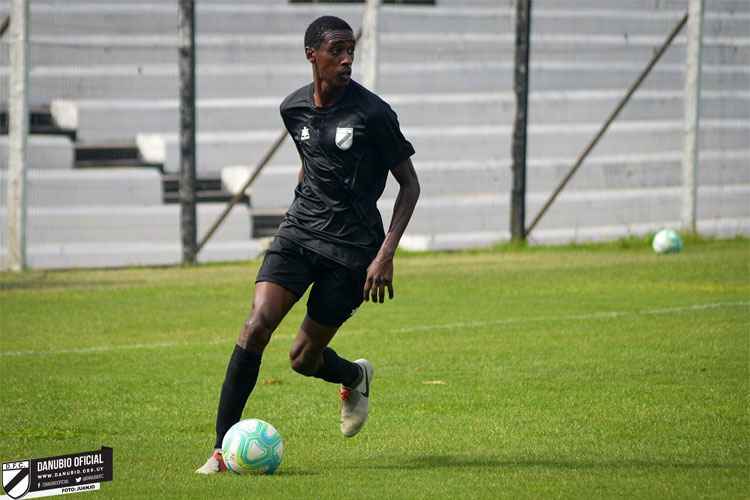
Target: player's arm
<point>380,271</point>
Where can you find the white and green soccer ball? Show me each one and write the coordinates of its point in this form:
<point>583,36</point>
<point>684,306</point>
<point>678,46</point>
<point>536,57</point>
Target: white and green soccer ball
<point>252,446</point>
<point>667,241</point>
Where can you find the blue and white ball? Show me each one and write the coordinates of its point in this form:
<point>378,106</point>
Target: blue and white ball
<point>667,241</point>
<point>252,446</point>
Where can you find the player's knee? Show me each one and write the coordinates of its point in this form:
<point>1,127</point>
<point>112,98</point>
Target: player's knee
<point>255,334</point>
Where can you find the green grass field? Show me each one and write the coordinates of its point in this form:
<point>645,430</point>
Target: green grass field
<point>594,372</point>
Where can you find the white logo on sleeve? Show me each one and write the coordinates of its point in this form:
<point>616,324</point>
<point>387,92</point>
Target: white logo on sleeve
<point>304,135</point>
<point>344,137</point>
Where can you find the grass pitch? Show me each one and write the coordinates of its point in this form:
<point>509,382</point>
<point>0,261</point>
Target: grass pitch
<point>541,373</point>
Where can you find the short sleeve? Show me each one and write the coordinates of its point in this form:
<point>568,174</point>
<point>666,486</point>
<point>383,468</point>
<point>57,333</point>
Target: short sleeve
<point>283,114</point>
<point>390,143</point>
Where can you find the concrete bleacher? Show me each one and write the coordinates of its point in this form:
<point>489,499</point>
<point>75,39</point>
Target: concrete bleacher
<point>114,235</point>
<point>87,187</point>
<point>452,214</point>
<point>443,141</point>
<point>125,223</point>
<point>488,71</point>
<point>48,152</point>
<point>109,72</point>
<point>89,117</point>
<point>444,178</point>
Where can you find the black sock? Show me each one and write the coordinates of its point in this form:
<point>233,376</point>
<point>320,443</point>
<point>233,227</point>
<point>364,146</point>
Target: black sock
<point>338,370</point>
<point>242,374</point>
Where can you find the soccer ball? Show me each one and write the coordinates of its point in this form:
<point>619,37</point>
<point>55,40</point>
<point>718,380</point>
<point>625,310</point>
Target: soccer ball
<point>667,241</point>
<point>252,446</point>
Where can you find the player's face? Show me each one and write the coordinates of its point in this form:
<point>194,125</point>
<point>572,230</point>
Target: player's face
<point>334,58</point>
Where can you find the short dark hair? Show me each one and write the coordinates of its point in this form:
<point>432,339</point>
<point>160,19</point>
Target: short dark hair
<point>322,25</point>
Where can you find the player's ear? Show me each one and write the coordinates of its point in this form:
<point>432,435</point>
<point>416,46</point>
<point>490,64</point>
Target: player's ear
<point>310,54</point>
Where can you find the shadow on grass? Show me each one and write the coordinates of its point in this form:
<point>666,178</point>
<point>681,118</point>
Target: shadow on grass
<point>454,461</point>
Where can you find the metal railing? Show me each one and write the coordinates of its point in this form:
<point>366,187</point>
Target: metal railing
<point>612,116</point>
<point>4,25</point>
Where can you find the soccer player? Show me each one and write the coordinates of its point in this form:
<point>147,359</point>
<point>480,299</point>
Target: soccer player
<point>332,235</point>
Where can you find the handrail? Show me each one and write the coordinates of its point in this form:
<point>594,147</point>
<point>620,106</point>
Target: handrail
<point>4,25</point>
<point>633,87</point>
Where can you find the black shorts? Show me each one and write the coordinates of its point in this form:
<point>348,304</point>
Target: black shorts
<point>337,290</point>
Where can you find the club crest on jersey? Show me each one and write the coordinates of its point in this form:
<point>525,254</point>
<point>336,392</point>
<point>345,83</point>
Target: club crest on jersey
<point>305,134</point>
<point>344,137</point>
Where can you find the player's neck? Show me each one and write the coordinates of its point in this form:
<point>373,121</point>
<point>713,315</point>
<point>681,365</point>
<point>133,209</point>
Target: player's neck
<point>325,94</point>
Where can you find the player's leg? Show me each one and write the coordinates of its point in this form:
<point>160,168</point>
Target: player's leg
<point>311,356</point>
<point>334,297</point>
<point>282,279</point>
<point>270,304</point>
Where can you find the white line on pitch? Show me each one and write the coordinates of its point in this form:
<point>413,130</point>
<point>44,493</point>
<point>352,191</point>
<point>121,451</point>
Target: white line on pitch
<point>418,328</point>
<point>592,316</point>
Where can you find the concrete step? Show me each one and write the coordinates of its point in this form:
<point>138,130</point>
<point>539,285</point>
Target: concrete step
<point>112,187</point>
<point>110,154</point>
<point>275,186</point>
<point>105,224</point>
<point>627,172</point>
<point>207,190</point>
<point>75,18</point>
<point>652,5</point>
<point>575,210</point>
<point>145,51</point>
<point>728,45</point>
<point>231,81</point>
<point>40,122</point>
<point>102,120</point>
<point>655,5</point>
<point>45,152</point>
<point>470,142</point>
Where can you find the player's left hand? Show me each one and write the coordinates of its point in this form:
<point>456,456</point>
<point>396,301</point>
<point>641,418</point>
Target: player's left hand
<point>379,277</point>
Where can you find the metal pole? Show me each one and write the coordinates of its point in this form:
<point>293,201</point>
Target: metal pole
<point>18,128</point>
<point>582,156</point>
<point>692,115</point>
<point>368,49</point>
<point>188,224</point>
<point>518,148</point>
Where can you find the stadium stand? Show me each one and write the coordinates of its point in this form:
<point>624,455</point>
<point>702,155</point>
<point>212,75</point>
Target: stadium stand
<point>102,174</point>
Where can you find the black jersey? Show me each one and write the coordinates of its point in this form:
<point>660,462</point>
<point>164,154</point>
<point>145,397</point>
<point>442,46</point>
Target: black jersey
<point>347,150</point>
